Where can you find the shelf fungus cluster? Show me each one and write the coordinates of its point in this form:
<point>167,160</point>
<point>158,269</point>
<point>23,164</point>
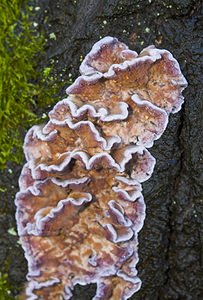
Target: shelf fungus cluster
<point>80,205</point>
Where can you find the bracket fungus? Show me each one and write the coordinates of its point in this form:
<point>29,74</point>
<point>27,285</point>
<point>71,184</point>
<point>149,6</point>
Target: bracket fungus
<point>80,205</point>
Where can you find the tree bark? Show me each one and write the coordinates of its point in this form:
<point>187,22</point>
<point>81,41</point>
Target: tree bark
<point>171,241</point>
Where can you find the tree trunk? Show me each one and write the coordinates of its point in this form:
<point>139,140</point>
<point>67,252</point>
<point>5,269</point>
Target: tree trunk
<point>171,241</point>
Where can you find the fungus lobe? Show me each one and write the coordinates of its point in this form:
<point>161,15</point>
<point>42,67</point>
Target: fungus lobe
<point>80,205</point>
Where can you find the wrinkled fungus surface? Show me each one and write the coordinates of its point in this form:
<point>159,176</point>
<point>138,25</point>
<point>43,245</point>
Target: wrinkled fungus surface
<point>80,205</point>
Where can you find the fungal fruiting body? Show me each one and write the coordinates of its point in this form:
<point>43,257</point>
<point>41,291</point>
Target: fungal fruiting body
<point>80,205</point>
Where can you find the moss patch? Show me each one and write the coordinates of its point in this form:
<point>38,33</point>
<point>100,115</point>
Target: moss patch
<point>22,87</point>
<point>5,288</point>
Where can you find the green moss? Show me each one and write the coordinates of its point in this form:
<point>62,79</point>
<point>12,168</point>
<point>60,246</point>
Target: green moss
<point>22,87</point>
<point>5,288</point>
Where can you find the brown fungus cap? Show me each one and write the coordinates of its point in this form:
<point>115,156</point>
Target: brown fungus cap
<point>80,204</point>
